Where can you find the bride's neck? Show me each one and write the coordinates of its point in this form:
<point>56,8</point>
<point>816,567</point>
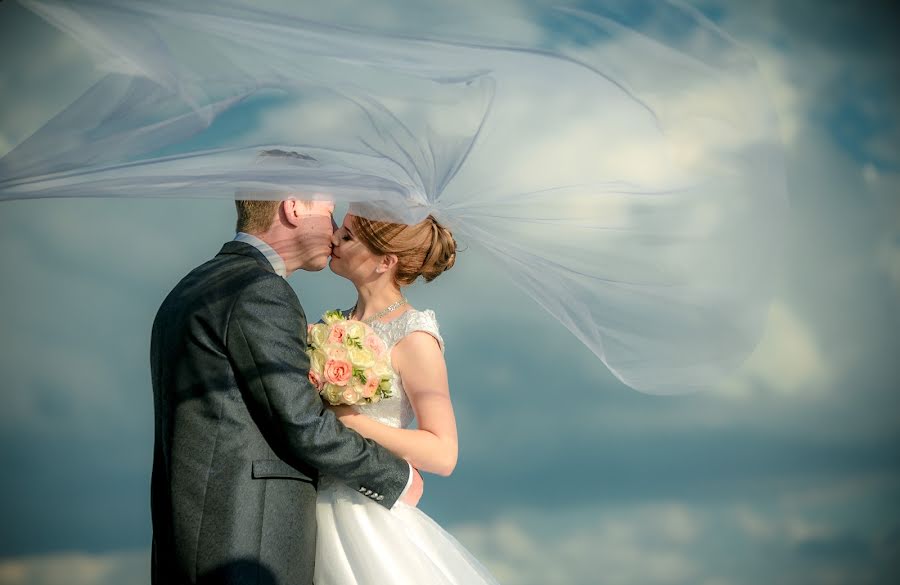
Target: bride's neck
<point>375,297</point>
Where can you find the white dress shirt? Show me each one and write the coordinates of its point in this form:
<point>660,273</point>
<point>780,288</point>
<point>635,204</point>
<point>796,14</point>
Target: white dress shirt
<point>271,255</point>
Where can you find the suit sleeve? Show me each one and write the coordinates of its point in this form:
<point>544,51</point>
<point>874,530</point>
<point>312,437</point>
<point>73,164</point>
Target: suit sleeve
<point>266,339</point>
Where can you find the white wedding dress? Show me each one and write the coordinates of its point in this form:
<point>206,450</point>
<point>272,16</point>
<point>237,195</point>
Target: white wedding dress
<point>360,542</point>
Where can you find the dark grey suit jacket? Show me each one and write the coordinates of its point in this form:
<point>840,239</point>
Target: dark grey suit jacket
<point>241,434</point>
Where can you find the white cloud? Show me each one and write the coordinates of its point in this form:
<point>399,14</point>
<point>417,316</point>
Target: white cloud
<point>727,543</point>
<point>787,359</point>
<point>115,568</point>
<point>616,543</point>
<point>753,523</point>
<point>809,75</point>
<point>645,544</point>
<point>788,98</point>
<point>785,529</point>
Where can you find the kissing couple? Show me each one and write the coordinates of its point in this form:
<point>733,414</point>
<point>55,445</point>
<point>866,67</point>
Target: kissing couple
<point>258,480</point>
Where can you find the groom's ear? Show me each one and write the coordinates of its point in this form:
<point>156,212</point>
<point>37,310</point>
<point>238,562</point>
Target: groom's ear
<point>290,211</point>
<point>387,262</point>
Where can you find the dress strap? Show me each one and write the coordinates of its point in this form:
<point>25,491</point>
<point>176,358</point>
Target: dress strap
<point>422,321</point>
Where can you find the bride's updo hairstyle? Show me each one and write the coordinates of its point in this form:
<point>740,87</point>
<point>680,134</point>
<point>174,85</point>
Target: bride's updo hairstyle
<point>425,249</point>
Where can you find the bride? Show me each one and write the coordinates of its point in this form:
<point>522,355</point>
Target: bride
<point>359,541</point>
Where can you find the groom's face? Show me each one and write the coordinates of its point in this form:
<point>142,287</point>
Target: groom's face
<point>316,227</point>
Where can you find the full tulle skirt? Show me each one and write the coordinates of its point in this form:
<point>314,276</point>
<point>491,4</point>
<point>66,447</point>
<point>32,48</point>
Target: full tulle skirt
<point>363,543</point>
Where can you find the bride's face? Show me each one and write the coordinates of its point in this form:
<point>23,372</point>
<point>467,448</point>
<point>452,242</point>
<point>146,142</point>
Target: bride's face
<point>351,258</point>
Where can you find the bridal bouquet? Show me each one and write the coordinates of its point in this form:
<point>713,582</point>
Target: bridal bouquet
<point>347,361</point>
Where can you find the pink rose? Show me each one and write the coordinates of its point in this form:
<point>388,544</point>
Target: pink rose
<point>371,385</point>
<point>336,335</point>
<point>338,372</point>
<point>374,344</point>
<point>315,379</point>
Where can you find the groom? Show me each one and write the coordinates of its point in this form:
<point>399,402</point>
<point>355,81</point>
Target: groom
<point>241,434</point>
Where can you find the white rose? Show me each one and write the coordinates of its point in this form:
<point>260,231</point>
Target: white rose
<point>382,370</point>
<point>356,329</point>
<point>351,394</point>
<point>332,393</point>
<point>317,360</point>
<point>361,357</point>
<point>332,317</point>
<point>318,335</point>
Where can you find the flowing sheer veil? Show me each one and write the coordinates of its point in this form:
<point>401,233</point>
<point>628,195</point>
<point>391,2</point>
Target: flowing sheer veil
<point>621,164</point>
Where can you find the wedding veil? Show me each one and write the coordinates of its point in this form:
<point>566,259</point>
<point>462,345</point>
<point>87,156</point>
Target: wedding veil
<point>621,164</point>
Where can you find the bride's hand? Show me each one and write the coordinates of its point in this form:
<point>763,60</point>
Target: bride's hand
<point>343,412</point>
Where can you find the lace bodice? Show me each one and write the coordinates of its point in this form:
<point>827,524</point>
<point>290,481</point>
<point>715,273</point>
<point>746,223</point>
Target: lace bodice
<point>397,410</point>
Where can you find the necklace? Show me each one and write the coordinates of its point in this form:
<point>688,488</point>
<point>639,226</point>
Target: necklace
<point>382,313</point>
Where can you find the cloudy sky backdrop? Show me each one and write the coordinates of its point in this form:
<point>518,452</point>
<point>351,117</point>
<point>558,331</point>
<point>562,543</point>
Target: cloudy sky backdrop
<point>788,473</point>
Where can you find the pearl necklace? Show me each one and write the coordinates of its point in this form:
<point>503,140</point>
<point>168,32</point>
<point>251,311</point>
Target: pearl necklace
<point>379,314</point>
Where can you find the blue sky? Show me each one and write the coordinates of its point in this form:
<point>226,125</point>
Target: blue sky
<point>787,473</point>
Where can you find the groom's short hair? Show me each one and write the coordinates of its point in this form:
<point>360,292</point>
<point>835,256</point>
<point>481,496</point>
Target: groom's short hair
<point>255,216</point>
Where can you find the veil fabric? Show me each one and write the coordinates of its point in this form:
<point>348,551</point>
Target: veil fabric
<point>621,164</point>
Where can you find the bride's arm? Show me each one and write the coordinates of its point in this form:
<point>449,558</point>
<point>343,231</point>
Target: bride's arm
<point>431,447</point>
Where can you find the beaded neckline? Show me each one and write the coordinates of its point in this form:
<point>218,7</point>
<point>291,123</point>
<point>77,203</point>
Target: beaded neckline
<point>396,319</point>
<point>381,313</point>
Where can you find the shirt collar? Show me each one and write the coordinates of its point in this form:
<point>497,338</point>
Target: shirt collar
<point>271,255</point>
